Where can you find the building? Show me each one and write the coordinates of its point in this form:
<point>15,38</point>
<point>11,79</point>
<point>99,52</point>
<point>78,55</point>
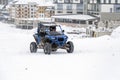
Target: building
<point>46,10</point>
<point>108,10</point>
<point>103,6</point>
<point>26,14</point>
<point>75,20</point>
<point>67,10</point>
<point>68,7</point>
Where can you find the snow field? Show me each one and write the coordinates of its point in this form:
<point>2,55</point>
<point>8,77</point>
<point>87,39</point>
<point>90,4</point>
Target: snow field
<point>93,58</point>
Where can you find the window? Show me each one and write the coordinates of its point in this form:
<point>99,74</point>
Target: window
<point>109,1</point>
<point>82,22</point>
<point>71,1</point>
<point>104,1</point>
<point>117,8</point>
<point>59,12</point>
<point>75,21</point>
<point>69,11</point>
<point>25,14</point>
<point>25,10</point>
<point>59,6</point>
<point>98,1</point>
<point>79,6</point>
<point>116,1</point>
<point>90,22</point>
<point>111,10</point>
<point>79,12</point>
<point>13,5</point>
<point>81,1</point>
<point>69,6</point>
<point>67,1</point>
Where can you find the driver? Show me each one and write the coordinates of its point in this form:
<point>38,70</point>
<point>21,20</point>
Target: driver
<point>53,29</point>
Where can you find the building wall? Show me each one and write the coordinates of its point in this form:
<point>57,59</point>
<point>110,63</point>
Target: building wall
<point>12,11</point>
<point>68,7</point>
<point>41,11</point>
<point>110,16</point>
<point>111,1</point>
<point>45,11</point>
<point>98,6</point>
<point>107,8</point>
<point>109,11</point>
<point>26,10</point>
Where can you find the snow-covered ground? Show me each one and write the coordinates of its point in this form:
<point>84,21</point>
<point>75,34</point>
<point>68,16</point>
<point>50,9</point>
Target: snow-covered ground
<point>93,58</point>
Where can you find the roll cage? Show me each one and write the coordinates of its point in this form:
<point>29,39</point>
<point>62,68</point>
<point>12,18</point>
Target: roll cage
<point>51,28</point>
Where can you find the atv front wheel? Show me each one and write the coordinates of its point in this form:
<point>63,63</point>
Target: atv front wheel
<point>33,47</point>
<point>47,48</point>
<point>70,47</point>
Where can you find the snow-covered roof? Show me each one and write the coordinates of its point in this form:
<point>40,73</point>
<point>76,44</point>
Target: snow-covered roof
<point>77,17</point>
<point>25,1</point>
<point>32,19</point>
<point>39,2</point>
<point>46,4</point>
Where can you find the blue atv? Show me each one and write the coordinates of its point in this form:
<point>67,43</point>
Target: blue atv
<point>50,37</point>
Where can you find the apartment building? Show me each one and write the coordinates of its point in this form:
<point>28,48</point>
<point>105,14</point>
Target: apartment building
<point>68,7</point>
<point>27,14</point>
<point>24,14</point>
<point>45,10</point>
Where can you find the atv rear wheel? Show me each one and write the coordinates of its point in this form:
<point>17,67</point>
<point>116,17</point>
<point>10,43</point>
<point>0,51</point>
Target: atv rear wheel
<point>70,47</point>
<point>47,48</point>
<point>33,47</point>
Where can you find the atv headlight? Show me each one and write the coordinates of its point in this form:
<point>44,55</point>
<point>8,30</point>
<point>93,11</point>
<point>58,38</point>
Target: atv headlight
<point>53,38</point>
<point>65,37</point>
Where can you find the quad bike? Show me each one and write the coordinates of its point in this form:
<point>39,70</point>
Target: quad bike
<point>50,37</point>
